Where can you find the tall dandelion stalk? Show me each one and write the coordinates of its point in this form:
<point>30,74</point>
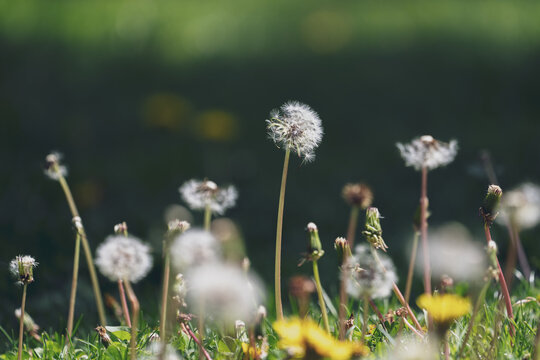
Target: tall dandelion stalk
<point>72,297</point>
<point>424,154</point>
<point>315,253</point>
<point>297,128</point>
<point>22,267</point>
<point>56,171</point>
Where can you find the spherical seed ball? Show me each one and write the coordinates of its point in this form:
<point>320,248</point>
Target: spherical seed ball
<point>428,152</point>
<point>123,258</point>
<point>200,194</point>
<point>194,247</point>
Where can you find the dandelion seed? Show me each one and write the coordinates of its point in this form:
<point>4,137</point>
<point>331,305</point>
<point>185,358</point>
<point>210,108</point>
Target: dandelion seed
<point>200,194</point>
<point>522,206</point>
<point>123,258</point>
<point>365,276</point>
<point>296,127</point>
<point>193,248</point>
<point>427,152</point>
<point>22,268</point>
<point>225,292</point>
<point>53,168</point>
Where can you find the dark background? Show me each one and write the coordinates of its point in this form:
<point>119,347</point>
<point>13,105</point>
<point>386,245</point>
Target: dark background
<point>142,96</point>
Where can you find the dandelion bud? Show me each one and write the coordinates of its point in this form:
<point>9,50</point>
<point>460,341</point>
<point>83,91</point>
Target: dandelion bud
<point>358,195</point>
<point>373,230</point>
<point>342,248</point>
<point>315,247</point>
<point>121,229</point>
<point>240,327</point>
<point>22,267</point>
<point>103,336</point>
<point>177,226</point>
<point>489,209</point>
<point>261,313</point>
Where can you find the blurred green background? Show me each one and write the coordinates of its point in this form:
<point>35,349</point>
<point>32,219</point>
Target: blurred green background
<point>142,96</point>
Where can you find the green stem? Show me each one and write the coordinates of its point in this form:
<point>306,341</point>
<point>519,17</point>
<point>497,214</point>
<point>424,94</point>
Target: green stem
<point>279,228</point>
<point>320,295</point>
<point>165,291</point>
<point>481,300</point>
<point>135,308</point>
<point>86,247</point>
<point>201,330</point>
<point>72,297</point>
<point>343,299</point>
<point>207,217</point>
<point>423,231</point>
<point>365,318</point>
<point>411,267</point>
<point>21,322</point>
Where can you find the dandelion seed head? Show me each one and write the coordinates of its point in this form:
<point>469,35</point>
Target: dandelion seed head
<point>200,194</point>
<point>365,277</point>
<point>427,152</point>
<point>413,349</point>
<point>359,195</point>
<point>225,292</point>
<point>123,258</point>
<point>53,167</point>
<point>296,127</point>
<point>522,206</point>
<point>22,268</point>
<point>194,247</point>
<point>153,352</point>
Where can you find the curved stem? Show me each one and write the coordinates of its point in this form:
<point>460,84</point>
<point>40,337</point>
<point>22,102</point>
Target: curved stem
<point>21,323</point>
<point>320,295</point>
<point>123,301</point>
<point>411,267</point>
<point>135,308</point>
<point>73,294</point>
<point>423,231</point>
<point>279,228</point>
<point>197,341</point>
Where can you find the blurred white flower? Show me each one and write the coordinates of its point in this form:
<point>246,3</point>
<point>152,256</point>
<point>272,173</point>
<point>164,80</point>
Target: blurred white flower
<point>194,247</point>
<point>521,205</point>
<point>427,152</point>
<point>453,252</point>
<point>296,127</point>
<point>52,161</point>
<point>22,267</point>
<point>200,194</point>
<point>153,352</point>
<point>412,349</point>
<point>366,277</point>
<point>123,258</point>
<point>225,292</point>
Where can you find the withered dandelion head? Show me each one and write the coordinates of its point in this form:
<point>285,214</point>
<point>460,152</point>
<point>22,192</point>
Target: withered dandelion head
<point>428,152</point>
<point>22,268</point>
<point>201,194</point>
<point>53,166</point>
<point>359,195</point>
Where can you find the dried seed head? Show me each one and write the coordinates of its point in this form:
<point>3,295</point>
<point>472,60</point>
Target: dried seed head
<point>103,336</point>
<point>301,287</point>
<point>200,194</point>
<point>22,267</point>
<point>359,195</point>
<point>53,168</point>
<point>427,152</point>
<point>296,127</point>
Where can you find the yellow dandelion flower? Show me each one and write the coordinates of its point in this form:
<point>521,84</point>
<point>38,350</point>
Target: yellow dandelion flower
<point>305,336</point>
<point>444,308</point>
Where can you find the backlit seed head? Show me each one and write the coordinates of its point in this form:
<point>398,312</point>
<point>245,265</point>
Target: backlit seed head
<point>428,152</point>
<point>22,268</point>
<point>359,195</point>
<point>193,248</point>
<point>201,194</point>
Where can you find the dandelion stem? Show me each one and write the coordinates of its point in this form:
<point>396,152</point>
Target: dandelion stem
<point>397,292</point>
<point>320,295</point>
<point>343,298</point>
<point>186,328</point>
<point>365,318</point>
<point>135,308</point>
<point>376,310</point>
<point>279,227</point>
<point>72,296</point>
<point>207,217</point>
<point>411,266</point>
<point>423,231</point>
<point>477,305</point>
<point>502,282</point>
<point>86,247</point>
<point>165,291</point>
<point>21,322</point>
<point>201,330</point>
<point>123,301</point>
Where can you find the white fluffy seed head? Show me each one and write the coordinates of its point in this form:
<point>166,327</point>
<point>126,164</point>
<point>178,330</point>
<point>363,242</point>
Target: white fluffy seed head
<point>200,194</point>
<point>225,292</point>
<point>365,277</point>
<point>521,206</point>
<point>296,127</point>
<point>22,268</point>
<point>427,152</point>
<point>194,247</point>
<point>53,167</point>
<point>123,258</point>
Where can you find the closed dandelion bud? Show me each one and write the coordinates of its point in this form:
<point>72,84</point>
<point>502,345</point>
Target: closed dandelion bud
<point>103,336</point>
<point>358,195</point>
<point>246,264</point>
<point>176,226</point>
<point>315,247</point>
<point>488,211</point>
<point>22,267</point>
<point>240,327</point>
<point>373,230</point>
<point>343,249</point>
<point>121,228</point>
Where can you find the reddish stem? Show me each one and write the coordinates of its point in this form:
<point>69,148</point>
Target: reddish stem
<point>376,310</point>
<point>188,331</point>
<point>124,303</point>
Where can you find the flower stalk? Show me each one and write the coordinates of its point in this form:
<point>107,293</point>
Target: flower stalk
<point>21,322</point>
<point>423,231</point>
<point>135,309</point>
<point>74,280</point>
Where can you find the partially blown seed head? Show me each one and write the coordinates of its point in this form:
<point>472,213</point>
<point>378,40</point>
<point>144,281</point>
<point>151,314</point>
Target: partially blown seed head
<point>296,127</point>
<point>22,267</point>
<point>200,194</point>
<point>427,152</point>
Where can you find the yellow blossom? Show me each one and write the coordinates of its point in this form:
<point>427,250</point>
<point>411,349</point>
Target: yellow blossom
<point>301,336</point>
<point>444,308</point>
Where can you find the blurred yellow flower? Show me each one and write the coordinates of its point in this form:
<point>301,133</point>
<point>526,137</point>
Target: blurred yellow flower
<point>444,308</point>
<point>300,336</point>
